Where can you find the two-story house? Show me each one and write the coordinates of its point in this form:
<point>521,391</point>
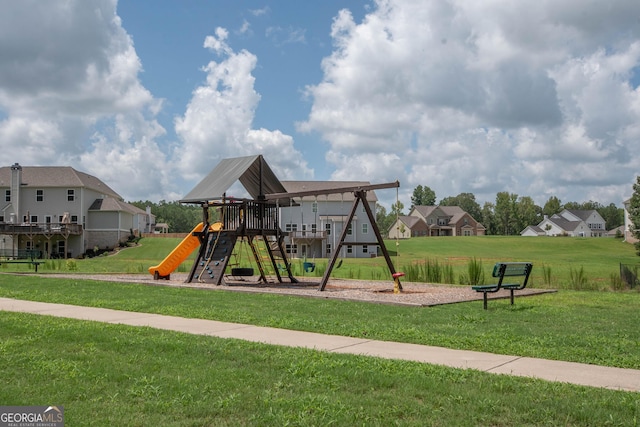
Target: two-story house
<point>57,211</point>
<point>436,221</point>
<point>569,222</point>
<point>313,226</point>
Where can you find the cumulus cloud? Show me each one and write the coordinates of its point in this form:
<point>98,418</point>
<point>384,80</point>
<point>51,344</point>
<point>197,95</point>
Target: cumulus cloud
<point>70,93</point>
<point>482,97</point>
<point>217,123</point>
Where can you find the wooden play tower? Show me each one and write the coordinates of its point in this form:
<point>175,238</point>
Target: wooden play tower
<point>255,222</point>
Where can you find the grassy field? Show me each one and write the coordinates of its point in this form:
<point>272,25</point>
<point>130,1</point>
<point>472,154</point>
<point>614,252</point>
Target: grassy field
<point>124,376</point>
<point>119,375</point>
<point>562,262</point>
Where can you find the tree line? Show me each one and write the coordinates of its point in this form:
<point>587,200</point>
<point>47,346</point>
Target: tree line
<point>508,215</point>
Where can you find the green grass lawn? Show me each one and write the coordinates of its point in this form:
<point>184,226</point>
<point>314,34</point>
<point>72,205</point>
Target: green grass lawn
<point>119,375</point>
<point>125,376</point>
<point>596,260</point>
<point>589,327</point>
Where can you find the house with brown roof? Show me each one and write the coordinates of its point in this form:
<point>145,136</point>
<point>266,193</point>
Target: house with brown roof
<point>57,211</point>
<point>569,222</point>
<point>313,224</point>
<point>436,221</point>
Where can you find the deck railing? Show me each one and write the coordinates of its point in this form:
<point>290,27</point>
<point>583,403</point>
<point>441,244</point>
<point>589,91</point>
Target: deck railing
<point>40,228</point>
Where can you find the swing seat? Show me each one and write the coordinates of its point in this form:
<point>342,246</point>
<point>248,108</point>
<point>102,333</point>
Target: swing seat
<point>339,264</point>
<point>242,271</point>
<point>309,266</point>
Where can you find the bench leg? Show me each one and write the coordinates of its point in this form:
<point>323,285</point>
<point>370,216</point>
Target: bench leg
<point>511,296</point>
<point>484,294</point>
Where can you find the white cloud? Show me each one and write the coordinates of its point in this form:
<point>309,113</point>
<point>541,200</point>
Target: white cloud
<point>465,96</point>
<point>217,123</point>
<point>71,95</point>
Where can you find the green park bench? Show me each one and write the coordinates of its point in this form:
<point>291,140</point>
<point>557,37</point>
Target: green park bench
<point>502,270</point>
<point>22,261</point>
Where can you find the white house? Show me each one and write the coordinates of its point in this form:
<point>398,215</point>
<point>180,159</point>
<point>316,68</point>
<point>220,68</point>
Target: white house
<point>313,226</point>
<point>58,211</point>
<point>569,222</point>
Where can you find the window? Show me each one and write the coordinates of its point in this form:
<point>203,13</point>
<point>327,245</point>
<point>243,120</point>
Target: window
<point>7,195</point>
<point>1,218</point>
<point>71,195</point>
<point>290,227</point>
<point>314,228</point>
<point>365,228</point>
<point>327,229</point>
<point>349,249</point>
<point>34,218</point>
<point>291,249</point>
<point>467,232</point>
<point>314,207</point>
<point>349,230</point>
<point>365,249</point>
<point>328,249</point>
<point>39,195</point>
<point>74,219</point>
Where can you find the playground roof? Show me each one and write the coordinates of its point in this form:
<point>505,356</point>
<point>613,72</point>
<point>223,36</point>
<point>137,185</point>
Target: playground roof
<point>253,172</point>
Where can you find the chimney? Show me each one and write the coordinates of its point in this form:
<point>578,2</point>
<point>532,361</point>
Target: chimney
<point>16,181</point>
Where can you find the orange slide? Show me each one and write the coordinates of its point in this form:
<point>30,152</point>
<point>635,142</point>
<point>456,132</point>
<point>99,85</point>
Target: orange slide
<point>180,253</point>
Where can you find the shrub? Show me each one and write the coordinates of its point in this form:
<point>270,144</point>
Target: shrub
<point>476,272</point>
<point>546,275</point>
<point>71,265</point>
<point>577,278</point>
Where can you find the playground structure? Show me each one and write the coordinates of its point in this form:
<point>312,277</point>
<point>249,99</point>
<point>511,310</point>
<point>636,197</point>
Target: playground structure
<point>254,222</point>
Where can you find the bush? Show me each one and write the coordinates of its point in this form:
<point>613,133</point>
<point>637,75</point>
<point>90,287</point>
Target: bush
<point>476,272</point>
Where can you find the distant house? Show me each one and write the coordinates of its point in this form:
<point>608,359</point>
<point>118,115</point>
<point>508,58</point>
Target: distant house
<point>314,224</point>
<point>436,221</point>
<point>408,226</point>
<point>58,211</point>
<point>569,222</point>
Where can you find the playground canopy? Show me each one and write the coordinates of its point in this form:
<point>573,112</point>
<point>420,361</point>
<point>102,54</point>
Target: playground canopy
<point>253,172</point>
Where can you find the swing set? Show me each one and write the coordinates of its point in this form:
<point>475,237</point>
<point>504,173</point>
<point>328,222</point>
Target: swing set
<point>360,197</point>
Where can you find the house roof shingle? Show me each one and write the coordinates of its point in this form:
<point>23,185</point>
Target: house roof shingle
<point>56,176</point>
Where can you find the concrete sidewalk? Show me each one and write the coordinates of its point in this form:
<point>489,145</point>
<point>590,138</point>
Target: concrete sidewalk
<point>551,370</point>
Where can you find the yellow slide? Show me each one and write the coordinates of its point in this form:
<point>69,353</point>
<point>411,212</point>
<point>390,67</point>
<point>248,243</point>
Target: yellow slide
<point>181,252</point>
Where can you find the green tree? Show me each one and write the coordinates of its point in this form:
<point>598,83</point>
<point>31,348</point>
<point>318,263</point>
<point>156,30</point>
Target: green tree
<point>634,213</point>
<point>528,213</point>
<point>552,206</point>
<point>396,209</point>
<point>506,213</point>
<point>423,196</point>
<point>489,218</point>
<point>383,220</point>
<point>612,215</point>
<point>180,218</point>
<point>574,206</point>
<point>466,201</point>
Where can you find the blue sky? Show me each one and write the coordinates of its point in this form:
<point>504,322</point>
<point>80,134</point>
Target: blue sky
<point>290,39</point>
<point>536,98</point>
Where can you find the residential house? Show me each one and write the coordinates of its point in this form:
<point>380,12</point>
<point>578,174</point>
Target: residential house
<point>407,226</point>
<point>313,224</point>
<point>436,221</point>
<point>569,222</point>
<point>58,211</point>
